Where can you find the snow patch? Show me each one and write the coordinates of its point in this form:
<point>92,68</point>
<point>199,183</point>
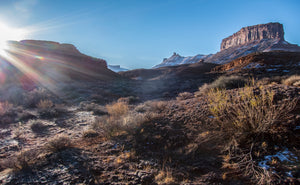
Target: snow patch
<point>283,156</point>
<point>271,70</point>
<point>253,65</point>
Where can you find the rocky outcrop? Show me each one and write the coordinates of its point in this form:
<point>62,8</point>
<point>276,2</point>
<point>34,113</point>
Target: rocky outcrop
<point>254,33</point>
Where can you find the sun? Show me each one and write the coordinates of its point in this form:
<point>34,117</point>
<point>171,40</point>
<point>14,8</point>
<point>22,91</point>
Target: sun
<point>10,33</point>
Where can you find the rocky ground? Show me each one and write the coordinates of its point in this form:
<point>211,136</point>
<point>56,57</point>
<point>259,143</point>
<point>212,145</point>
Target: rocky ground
<point>174,144</point>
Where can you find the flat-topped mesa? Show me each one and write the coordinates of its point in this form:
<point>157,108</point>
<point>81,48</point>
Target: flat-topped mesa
<point>254,33</point>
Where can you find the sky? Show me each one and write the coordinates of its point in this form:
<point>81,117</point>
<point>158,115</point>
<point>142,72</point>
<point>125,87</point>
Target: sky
<point>140,33</point>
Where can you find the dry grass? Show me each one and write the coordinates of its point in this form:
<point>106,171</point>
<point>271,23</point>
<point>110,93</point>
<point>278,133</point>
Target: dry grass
<point>25,160</point>
<point>33,97</point>
<point>245,119</point>
<point>5,107</point>
<point>37,126</point>
<point>223,82</point>
<point>164,177</point>
<point>246,111</point>
<point>117,109</point>
<point>292,80</point>
<point>184,96</point>
<point>45,104</point>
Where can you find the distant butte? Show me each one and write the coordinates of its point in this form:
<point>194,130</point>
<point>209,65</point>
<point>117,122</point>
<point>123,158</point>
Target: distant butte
<point>254,33</point>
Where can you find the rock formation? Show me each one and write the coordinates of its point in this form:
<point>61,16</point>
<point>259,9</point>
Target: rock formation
<point>254,33</point>
<point>41,62</point>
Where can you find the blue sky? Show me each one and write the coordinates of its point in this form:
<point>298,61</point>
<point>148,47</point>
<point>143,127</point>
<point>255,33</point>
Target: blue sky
<point>140,33</point>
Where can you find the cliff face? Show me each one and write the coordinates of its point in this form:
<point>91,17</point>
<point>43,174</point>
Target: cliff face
<point>254,33</point>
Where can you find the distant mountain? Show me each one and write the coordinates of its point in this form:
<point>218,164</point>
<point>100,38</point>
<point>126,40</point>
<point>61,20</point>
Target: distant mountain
<point>44,62</point>
<point>252,39</point>
<point>176,59</point>
<point>116,68</point>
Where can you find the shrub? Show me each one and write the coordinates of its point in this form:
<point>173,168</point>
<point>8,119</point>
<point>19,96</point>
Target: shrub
<point>117,109</point>
<point>184,96</point>
<point>112,126</point>
<point>7,113</point>
<point>90,134</point>
<point>157,106</point>
<point>58,144</point>
<point>247,112</point>
<point>33,97</point>
<point>97,109</point>
<point>292,80</point>
<point>38,126</point>
<point>47,109</point>
<point>25,160</point>
<point>245,119</point>
<point>223,82</point>
<point>5,108</point>
<point>129,99</point>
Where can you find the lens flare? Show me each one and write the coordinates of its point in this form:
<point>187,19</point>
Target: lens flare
<point>9,33</point>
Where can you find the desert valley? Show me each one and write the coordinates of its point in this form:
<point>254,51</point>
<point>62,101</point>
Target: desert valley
<point>232,117</point>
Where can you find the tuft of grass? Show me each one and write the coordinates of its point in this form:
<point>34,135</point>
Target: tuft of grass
<point>292,80</point>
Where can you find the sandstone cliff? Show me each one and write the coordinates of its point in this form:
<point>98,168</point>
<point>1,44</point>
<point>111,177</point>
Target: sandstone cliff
<point>254,33</point>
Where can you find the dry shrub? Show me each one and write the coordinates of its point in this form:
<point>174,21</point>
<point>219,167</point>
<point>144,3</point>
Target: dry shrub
<point>45,104</point>
<point>292,80</point>
<point>117,109</point>
<point>37,126</point>
<point>33,97</point>
<point>223,82</point>
<point>158,106</point>
<point>97,109</point>
<point>90,133</point>
<point>112,126</point>
<point>58,144</point>
<point>47,109</point>
<point>25,160</point>
<point>7,113</point>
<point>129,99</point>
<point>184,96</point>
<point>5,108</point>
<point>247,112</point>
<point>245,119</point>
